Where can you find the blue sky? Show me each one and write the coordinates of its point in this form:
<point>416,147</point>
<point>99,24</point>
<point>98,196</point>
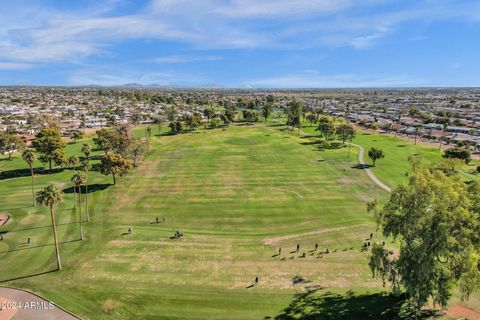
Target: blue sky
<point>241,43</point>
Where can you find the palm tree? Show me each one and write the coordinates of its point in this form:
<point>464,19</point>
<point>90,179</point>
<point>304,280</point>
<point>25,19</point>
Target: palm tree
<point>417,131</point>
<point>86,168</point>
<point>78,179</point>
<point>73,162</point>
<point>29,156</point>
<point>86,149</point>
<point>445,126</point>
<point>50,196</point>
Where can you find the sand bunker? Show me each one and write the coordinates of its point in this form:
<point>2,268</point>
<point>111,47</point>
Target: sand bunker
<point>3,219</point>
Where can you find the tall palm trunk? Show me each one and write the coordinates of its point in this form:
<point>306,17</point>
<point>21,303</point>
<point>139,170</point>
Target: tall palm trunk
<point>86,198</point>
<point>80,210</point>
<point>57,249</point>
<point>33,189</point>
<point>74,197</point>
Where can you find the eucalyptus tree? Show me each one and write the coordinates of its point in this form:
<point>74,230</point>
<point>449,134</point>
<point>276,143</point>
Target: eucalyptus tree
<point>436,217</point>
<point>375,154</point>
<point>50,146</point>
<point>294,114</point>
<point>116,165</point>
<point>267,111</point>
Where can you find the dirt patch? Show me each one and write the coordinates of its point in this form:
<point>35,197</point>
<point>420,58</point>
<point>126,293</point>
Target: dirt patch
<point>347,180</point>
<point>275,240</point>
<point>364,197</point>
<point>4,219</point>
<point>109,305</point>
<point>459,312</point>
<point>33,218</point>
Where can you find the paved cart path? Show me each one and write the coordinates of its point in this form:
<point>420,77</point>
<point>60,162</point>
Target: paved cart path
<point>17,304</point>
<point>361,159</point>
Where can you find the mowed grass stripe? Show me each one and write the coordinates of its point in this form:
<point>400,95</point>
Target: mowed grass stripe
<point>237,194</point>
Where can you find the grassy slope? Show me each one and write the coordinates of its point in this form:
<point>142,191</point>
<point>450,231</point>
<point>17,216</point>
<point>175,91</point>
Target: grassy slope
<point>237,194</point>
<point>393,168</point>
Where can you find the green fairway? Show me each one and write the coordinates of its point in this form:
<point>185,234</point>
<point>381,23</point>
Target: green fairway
<point>393,169</point>
<point>238,194</point>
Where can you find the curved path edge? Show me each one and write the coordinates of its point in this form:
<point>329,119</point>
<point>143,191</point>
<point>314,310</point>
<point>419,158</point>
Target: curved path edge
<point>371,175</point>
<point>367,169</point>
<point>25,296</point>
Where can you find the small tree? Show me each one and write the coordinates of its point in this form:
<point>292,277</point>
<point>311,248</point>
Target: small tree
<point>294,114</point>
<point>208,113</point>
<point>176,127</point>
<point>345,132</point>
<point>86,150</point>
<point>417,132</point>
<point>116,165</point>
<point>458,153</point>
<point>137,150</point>
<point>267,111</point>
<point>72,162</point>
<point>230,115</point>
<point>250,115</point>
<point>76,135</point>
<point>375,154</point>
<point>311,118</point>
<point>191,121</point>
<point>10,143</point>
<point>148,132</point>
<point>326,128</point>
<point>48,143</point>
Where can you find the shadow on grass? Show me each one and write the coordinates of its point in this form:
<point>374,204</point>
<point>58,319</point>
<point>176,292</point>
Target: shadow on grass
<point>349,306</point>
<point>163,134</point>
<point>41,227</point>
<point>91,188</point>
<point>17,208</point>
<point>361,166</point>
<point>25,246</point>
<point>25,172</point>
<point>28,276</point>
<point>17,173</point>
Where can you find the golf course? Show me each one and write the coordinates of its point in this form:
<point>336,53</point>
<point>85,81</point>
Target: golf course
<point>238,195</point>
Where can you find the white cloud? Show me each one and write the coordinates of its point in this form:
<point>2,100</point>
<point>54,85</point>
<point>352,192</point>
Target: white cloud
<point>54,35</point>
<point>184,59</point>
<point>115,75</point>
<point>15,66</point>
<point>281,8</point>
